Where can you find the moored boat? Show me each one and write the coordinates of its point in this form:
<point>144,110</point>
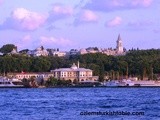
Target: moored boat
<point>10,83</point>
<point>131,83</point>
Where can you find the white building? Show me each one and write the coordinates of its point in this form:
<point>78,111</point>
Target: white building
<point>119,47</point>
<point>14,51</point>
<point>1,54</point>
<point>38,52</point>
<point>83,51</point>
<point>37,75</point>
<point>74,73</point>
<point>119,50</point>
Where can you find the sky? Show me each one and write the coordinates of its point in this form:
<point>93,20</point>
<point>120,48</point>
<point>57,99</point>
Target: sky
<point>76,24</point>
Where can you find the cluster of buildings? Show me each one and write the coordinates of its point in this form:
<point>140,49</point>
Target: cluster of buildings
<point>41,51</point>
<point>74,73</point>
<point>119,50</point>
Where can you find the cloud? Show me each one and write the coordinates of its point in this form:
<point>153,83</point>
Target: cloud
<point>53,41</point>
<point>25,42</point>
<point>114,22</point>
<point>86,16</point>
<point>112,5</point>
<point>142,3</point>
<point>1,1</point>
<point>23,19</point>
<point>59,11</point>
<point>156,30</point>
<point>140,23</point>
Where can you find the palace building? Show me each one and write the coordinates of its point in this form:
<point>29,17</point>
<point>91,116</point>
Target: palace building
<point>119,48</point>
<point>75,73</point>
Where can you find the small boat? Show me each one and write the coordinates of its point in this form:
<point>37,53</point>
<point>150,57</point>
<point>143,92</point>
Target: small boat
<point>111,83</point>
<point>119,83</point>
<point>10,83</point>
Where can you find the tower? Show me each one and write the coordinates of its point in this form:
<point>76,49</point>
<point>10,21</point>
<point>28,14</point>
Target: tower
<point>78,64</point>
<point>119,47</point>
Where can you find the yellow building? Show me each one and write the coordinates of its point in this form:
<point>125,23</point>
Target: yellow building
<point>75,73</point>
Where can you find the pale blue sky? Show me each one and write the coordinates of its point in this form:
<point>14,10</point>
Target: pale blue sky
<point>68,24</point>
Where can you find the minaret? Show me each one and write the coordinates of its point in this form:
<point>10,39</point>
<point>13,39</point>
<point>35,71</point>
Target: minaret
<point>119,48</point>
<point>78,64</point>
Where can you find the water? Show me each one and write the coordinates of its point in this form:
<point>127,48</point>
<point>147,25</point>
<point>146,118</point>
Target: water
<point>68,103</point>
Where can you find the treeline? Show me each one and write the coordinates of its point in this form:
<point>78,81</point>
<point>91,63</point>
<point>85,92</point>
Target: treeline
<point>140,63</point>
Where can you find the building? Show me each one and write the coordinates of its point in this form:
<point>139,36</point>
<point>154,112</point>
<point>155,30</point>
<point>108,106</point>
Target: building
<point>37,75</point>
<point>109,51</point>
<point>73,52</point>
<point>82,51</point>
<point>93,50</point>
<point>56,52</point>
<point>1,54</point>
<point>119,50</point>
<point>119,47</point>
<point>115,52</point>
<point>14,51</point>
<point>38,52</point>
<point>75,73</point>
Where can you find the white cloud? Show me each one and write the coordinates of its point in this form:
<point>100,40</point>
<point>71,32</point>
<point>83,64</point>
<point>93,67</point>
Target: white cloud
<point>23,19</point>
<point>86,16</point>
<point>111,5</point>
<point>60,11</point>
<point>1,1</point>
<point>27,42</point>
<point>114,22</point>
<point>144,3</point>
<point>53,41</point>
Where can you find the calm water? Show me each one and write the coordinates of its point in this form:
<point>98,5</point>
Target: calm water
<point>68,103</point>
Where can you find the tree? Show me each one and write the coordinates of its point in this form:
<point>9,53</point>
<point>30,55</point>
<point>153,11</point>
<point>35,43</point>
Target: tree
<point>7,48</point>
<point>24,51</point>
<point>52,82</point>
<point>40,64</point>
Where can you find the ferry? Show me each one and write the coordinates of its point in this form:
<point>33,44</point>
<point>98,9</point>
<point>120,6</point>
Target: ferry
<point>10,83</point>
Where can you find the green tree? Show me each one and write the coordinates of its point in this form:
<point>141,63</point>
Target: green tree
<point>7,48</point>
<point>52,82</point>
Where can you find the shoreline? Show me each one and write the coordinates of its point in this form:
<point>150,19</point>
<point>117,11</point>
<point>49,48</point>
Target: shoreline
<point>87,87</point>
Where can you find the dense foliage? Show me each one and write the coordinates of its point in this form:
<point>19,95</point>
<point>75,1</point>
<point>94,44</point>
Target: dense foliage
<point>141,63</point>
<point>7,48</point>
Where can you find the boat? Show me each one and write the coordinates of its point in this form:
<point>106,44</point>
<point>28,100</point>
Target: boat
<point>131,83</point>
<point>10,83</point>
<point>111,83</point>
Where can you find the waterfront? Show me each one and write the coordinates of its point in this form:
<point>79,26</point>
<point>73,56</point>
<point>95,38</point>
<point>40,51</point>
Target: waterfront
<point>68,103</point>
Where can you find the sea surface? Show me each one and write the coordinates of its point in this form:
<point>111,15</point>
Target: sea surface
<point>73,103</point>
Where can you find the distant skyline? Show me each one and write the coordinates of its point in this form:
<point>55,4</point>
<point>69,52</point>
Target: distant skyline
<point>67,24</point>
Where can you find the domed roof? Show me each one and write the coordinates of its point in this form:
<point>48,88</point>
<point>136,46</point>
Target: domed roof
<point>83,50</point>
<point>74,66</point>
